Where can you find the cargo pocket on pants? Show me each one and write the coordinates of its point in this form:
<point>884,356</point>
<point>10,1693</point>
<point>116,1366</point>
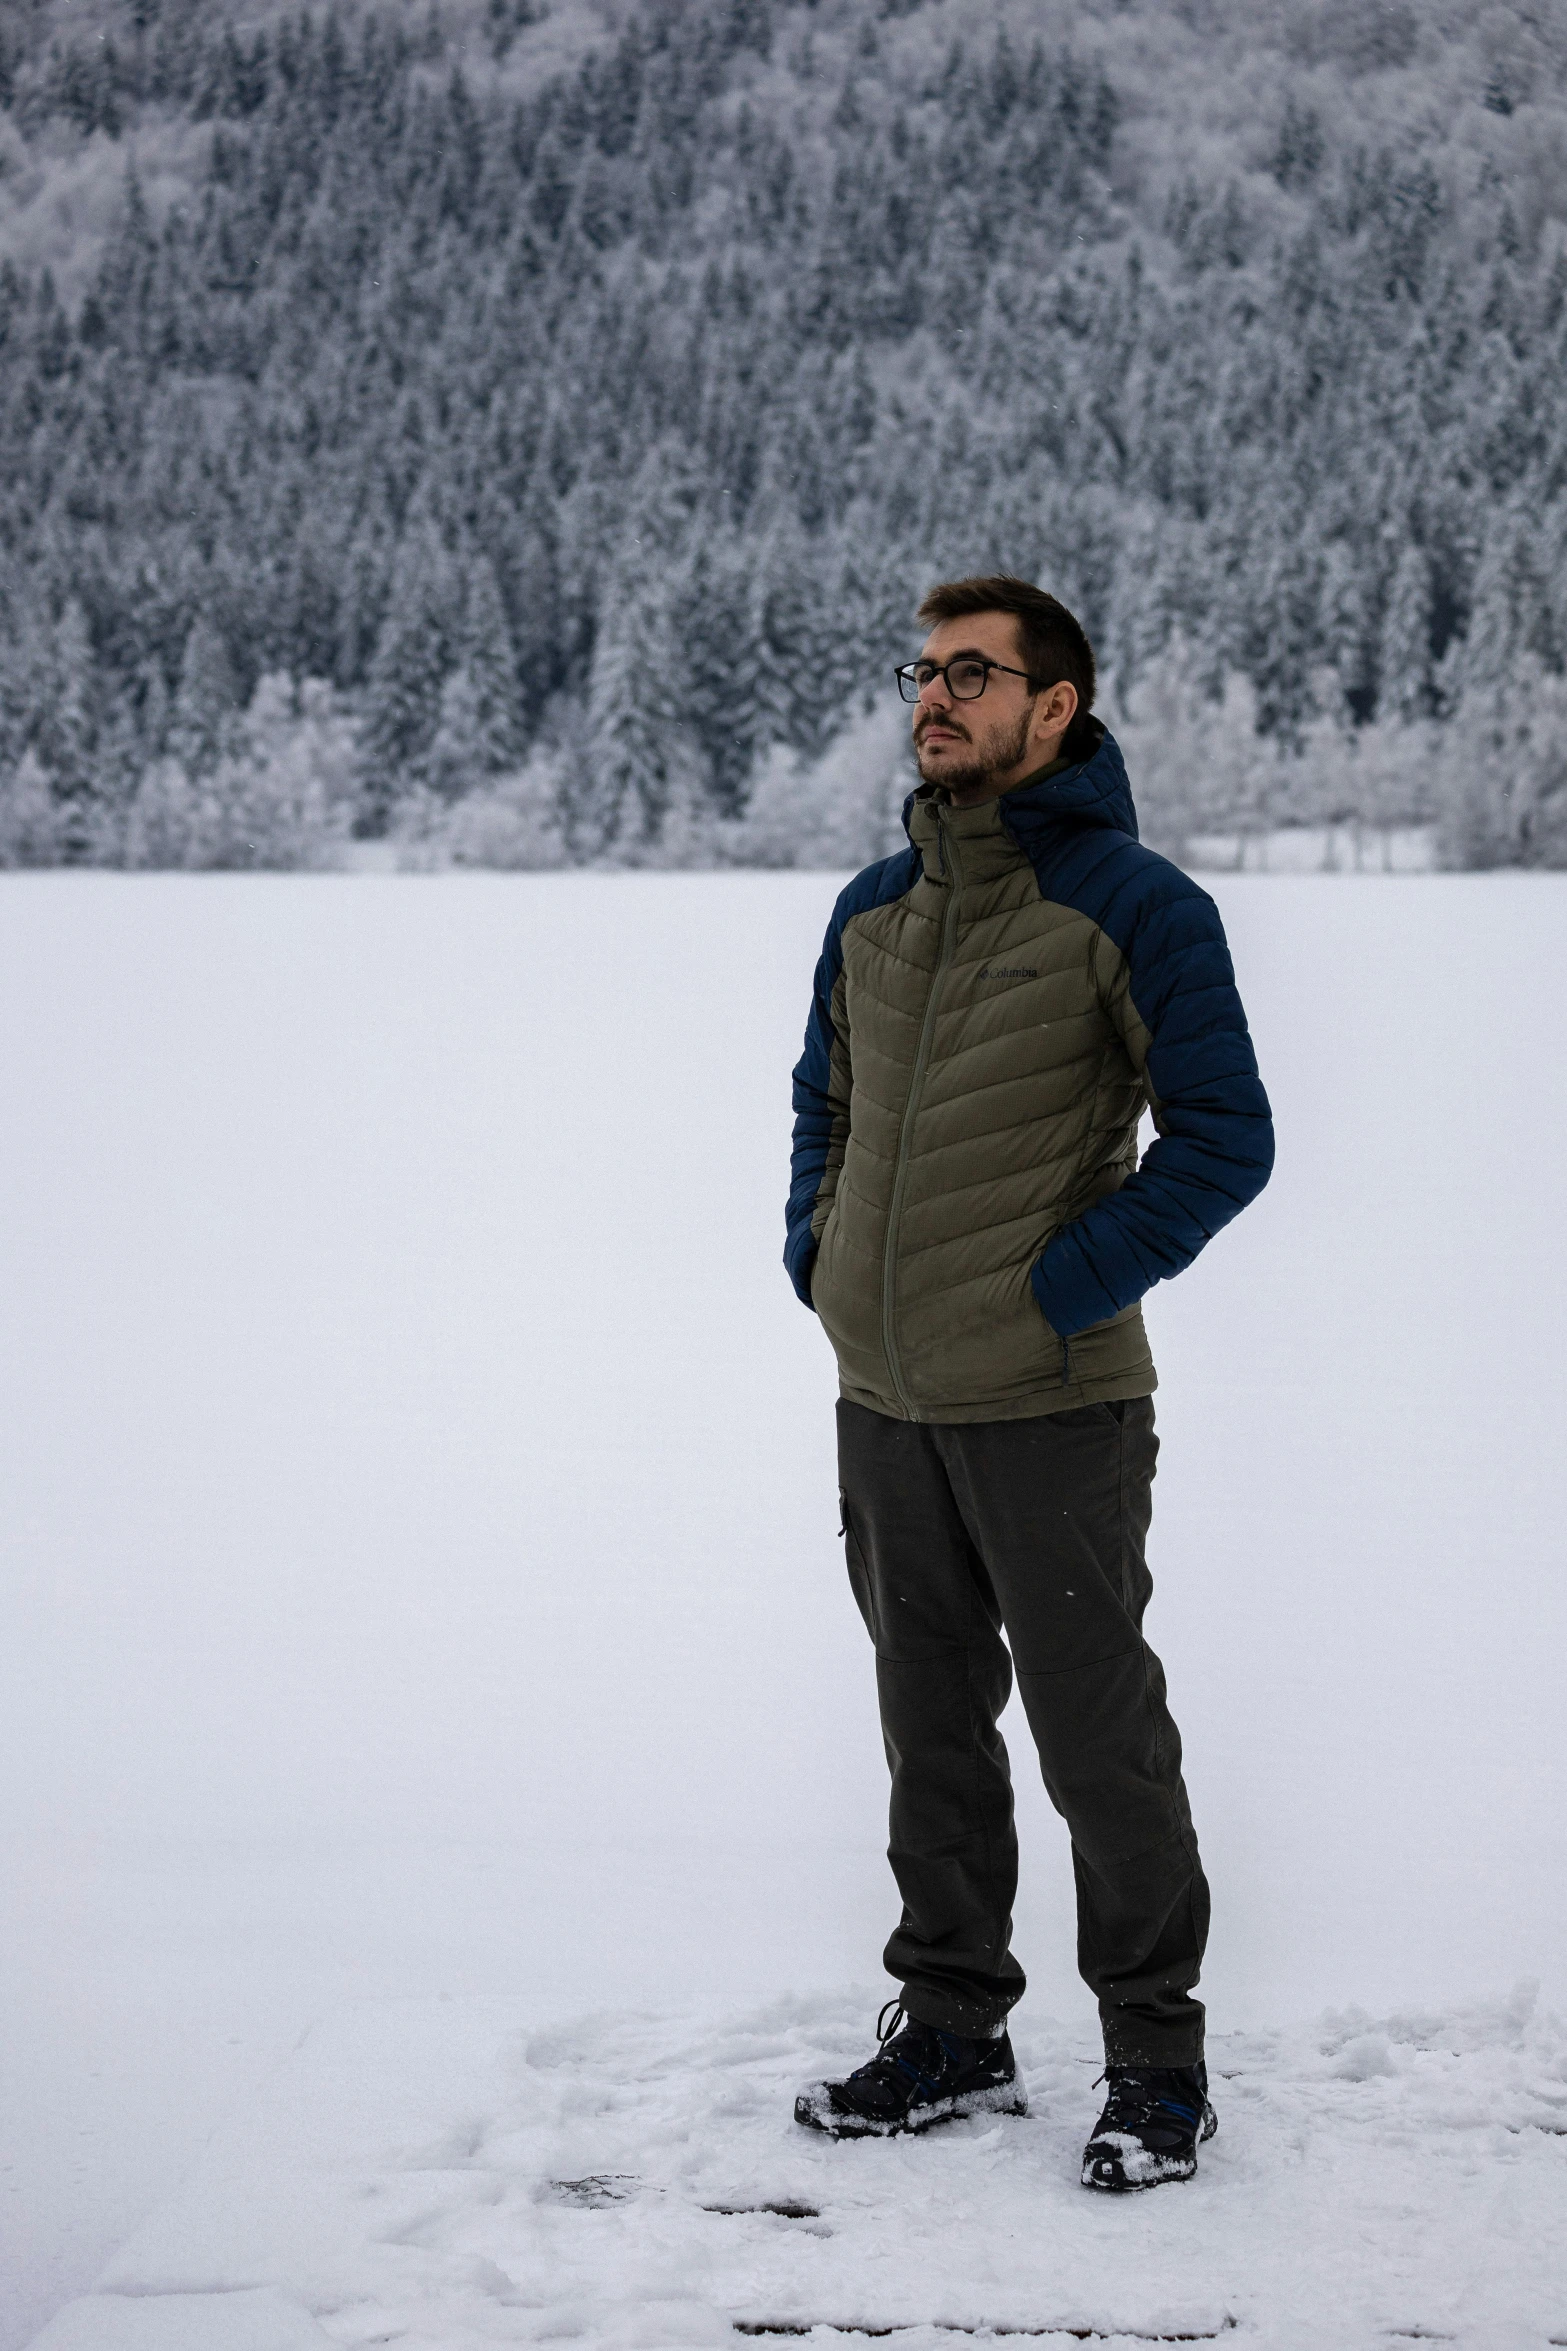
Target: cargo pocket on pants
<point>854,1560</point>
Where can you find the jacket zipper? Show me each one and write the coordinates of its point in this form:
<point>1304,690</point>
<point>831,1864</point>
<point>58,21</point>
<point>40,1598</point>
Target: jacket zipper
<point>949,932</point>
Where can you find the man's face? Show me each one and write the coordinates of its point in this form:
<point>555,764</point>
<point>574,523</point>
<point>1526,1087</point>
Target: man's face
<point>968,746</point>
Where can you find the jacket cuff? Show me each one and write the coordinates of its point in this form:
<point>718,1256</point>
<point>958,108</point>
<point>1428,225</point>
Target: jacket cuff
<point>800,1260</point>
<point>1067,1292</point>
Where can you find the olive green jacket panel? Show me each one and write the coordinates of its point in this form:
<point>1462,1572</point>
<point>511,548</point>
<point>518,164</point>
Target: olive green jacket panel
<point>986,1088</point>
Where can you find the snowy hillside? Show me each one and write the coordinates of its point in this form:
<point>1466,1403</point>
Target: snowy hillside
<point>572,402</point>
<point>417,1493</point>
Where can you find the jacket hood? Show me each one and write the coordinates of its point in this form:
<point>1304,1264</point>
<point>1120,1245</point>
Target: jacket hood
<point>1091,791</point>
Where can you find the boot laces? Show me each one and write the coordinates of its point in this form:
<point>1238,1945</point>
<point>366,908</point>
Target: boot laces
<point>893,2025</point>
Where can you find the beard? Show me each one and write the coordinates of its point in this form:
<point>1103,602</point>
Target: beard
<point>996,755</point>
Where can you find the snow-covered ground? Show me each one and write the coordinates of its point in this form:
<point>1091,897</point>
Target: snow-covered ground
<point>419,1515</point>
<point>450,2176</point>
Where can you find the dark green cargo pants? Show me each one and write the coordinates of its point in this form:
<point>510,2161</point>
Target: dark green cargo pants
<point>956,1534</point>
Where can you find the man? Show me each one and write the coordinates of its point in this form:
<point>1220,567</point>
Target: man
<point>995,1006</point>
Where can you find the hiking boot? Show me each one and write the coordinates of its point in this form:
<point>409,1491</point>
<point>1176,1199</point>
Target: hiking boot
<point>918,2077</point>
<point>1155,2117</point>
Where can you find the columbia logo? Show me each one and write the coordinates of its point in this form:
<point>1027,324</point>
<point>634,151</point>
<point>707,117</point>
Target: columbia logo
<point>1009,971</point>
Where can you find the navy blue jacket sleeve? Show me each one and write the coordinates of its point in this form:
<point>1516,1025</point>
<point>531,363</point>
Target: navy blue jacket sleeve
<point>814,1112</point>
<point>1183,1021</point>
<point>815,1107</point>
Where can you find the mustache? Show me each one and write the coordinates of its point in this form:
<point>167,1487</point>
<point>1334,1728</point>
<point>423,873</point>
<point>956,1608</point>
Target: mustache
<point>950,724</point>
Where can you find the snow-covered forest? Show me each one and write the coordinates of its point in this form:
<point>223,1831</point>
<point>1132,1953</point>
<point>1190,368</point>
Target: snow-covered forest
<point>519,433</point>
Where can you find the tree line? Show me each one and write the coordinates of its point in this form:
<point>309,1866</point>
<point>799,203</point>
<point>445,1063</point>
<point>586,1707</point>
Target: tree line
<point>552,459</point>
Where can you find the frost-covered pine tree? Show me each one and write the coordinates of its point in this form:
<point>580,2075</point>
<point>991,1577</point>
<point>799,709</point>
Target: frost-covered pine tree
<point>512,822</point>
<point>1407,685</point>
<point>541,631</point>
<point>1350,646</point>
<point>1139,626</point>
<point>294,781</point>
<point>67,730</point>
<point>639,722</point>
<point>1485,798</point>
<point>619,808</point>
<point>1505,770</point>
<point>478,732</point>
<point>175,821</point>
<point>204,720</point>
<point>726,697</point>
<point>800,632</point>
<point>403,700</point>
<point>31,818</point>
<point>837,812</point>
<point>490,659</point>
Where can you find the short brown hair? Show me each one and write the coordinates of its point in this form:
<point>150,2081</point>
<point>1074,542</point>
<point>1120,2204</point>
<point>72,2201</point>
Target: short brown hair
<point>1055,643</point>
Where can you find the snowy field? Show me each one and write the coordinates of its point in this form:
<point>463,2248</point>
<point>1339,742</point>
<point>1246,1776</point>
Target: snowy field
<point>424,1624</point>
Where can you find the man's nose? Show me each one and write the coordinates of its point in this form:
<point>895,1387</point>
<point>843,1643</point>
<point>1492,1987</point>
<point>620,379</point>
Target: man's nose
<point>934,692</point>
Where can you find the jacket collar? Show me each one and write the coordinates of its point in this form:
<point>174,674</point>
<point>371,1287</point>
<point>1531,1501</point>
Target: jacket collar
<point>983,846</point>
<point>1091,793</point>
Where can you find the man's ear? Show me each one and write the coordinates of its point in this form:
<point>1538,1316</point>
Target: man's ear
<point>1056,709</point>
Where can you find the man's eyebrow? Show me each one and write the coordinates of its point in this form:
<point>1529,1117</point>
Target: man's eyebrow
<point>963,653</point>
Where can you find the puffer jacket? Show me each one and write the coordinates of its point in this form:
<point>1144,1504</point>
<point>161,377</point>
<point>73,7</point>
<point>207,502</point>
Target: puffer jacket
<point>994,1008</point>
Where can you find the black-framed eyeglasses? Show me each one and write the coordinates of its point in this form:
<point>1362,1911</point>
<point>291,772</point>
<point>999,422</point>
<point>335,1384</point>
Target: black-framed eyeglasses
<point>966,678</point>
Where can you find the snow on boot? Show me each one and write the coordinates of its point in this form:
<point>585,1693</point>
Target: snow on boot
<point>918,2077</point>
<point>1154,2120</point>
